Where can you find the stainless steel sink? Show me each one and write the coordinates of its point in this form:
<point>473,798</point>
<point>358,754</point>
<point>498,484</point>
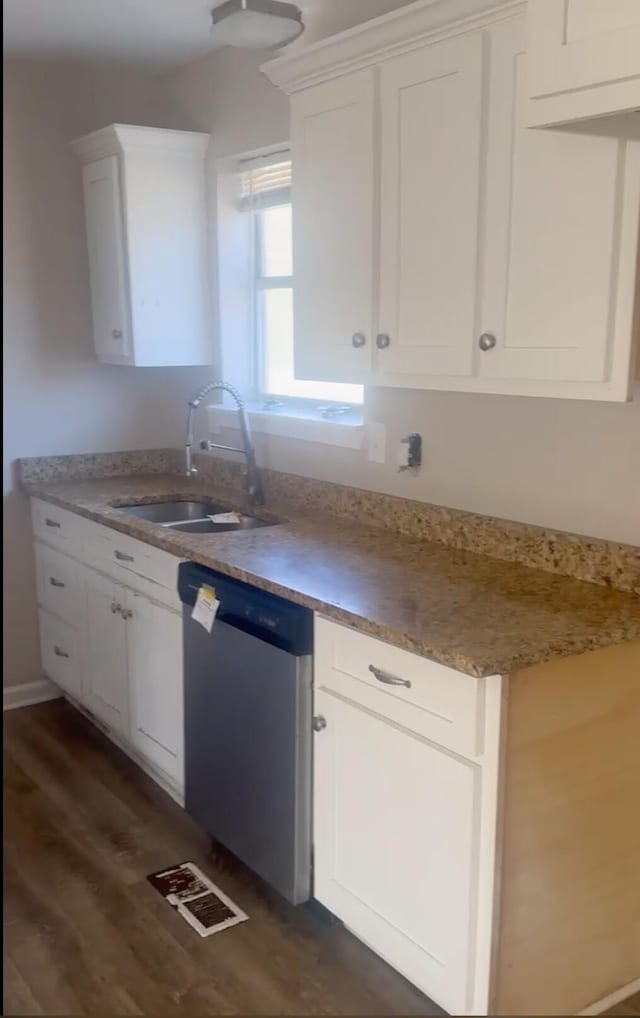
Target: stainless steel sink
<point>193,517</point>
<point>209,527</point>
<point>174,512</point>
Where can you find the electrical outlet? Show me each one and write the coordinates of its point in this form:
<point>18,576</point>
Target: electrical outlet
<point>377,442</point>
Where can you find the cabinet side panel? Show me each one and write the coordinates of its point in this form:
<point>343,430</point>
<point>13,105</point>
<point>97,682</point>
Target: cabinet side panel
<point>570,903</point>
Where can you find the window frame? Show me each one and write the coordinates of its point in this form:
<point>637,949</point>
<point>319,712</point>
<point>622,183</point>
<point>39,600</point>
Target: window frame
<point>325,407</point>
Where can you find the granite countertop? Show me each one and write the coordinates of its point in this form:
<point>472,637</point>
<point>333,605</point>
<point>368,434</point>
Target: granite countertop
<point>469,611</point>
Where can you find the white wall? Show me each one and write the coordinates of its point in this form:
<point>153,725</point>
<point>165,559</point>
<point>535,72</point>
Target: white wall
<point>57,398</point>
<point>566,464</point>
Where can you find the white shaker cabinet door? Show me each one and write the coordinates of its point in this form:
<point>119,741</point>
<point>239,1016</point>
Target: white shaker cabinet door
<point>105,680</point>
<point>332,129</point>
<point>431,103</point>
<point>154,636</point>
<point>562,212</point>
<point>107,259</point>
<point>396,844</point>
<point>583,59</point>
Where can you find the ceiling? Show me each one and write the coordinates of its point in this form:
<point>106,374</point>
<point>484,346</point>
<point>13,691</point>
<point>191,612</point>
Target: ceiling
<point>152,35</point>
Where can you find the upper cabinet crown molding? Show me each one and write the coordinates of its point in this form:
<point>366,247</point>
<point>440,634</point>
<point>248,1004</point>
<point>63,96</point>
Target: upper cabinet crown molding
<point>387,36</point>
<point>120,138</point>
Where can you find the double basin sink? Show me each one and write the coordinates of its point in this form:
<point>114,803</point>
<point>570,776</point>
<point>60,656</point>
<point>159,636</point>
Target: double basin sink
<point>196,517</point>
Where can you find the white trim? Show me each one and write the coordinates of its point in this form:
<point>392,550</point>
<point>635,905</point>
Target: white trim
<point>29,693</point>
<point>614,998</point>
<point>348,434</point>
<point>381,38</point>
<point>489,844</point>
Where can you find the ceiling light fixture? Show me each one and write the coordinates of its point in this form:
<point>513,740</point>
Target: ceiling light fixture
<point>256,24</point>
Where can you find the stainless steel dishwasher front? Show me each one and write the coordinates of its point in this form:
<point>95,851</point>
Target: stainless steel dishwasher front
<point>248,727</point>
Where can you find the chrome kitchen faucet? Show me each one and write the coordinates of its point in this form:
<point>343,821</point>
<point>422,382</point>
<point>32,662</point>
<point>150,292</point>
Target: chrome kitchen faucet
<point>252,481</point>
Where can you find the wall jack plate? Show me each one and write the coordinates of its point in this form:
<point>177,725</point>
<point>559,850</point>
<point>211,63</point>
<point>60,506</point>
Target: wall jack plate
<point>411,457</point>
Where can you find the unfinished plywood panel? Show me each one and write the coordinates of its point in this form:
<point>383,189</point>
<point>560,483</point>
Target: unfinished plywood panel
<point>570,911</point>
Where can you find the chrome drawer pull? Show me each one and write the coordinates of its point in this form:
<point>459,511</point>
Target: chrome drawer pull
<point>55,583</point>
<point>116,608</point>
<point>60,653</point>
<point>387,678</point>
<point>51,523</point>
<point>121,557</point>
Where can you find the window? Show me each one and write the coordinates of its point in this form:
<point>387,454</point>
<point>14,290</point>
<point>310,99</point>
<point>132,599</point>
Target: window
<point>266,196</point>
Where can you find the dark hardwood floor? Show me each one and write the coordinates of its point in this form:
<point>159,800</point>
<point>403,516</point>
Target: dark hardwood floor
<point>85,933</point>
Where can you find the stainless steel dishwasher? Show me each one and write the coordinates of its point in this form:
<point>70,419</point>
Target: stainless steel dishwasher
<point>248,727</point>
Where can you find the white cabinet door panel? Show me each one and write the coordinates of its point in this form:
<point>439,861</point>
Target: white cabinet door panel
<point>105,685</point>
<point>431,124</point>
<point>107,266</point>
<point>396,846</point>
<point>154,638</point>
<point>333,227</point>
<point>561,235</point>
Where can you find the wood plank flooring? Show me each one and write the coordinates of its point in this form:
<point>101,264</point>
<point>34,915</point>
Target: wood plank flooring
<point>85,934</point>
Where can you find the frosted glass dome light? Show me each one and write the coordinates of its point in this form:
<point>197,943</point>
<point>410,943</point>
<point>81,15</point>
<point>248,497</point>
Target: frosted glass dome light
<point>256,24</point>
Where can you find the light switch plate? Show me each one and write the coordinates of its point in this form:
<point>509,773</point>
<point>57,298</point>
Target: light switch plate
<point>377,442</point>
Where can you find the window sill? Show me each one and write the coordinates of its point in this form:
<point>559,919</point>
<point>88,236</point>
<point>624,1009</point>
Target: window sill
<point>305,426</point>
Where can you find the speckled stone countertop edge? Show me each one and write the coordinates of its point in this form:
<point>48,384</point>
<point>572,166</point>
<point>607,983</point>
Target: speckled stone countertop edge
<point>502,663</point>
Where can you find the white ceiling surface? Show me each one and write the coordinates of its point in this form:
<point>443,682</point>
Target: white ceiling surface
<point>156,35</point>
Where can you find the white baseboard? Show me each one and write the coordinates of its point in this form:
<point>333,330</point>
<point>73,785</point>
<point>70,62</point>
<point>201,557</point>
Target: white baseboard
<point>614,998</point>
<point>29,693</point>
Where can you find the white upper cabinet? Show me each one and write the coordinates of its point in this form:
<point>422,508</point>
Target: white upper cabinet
<point>146,221</point>
<point>495,258</point>
<point>431,119</point>
<point>583,59</point>
<point>559,254</point>
<point>333,196</point>
<point>107,266</point>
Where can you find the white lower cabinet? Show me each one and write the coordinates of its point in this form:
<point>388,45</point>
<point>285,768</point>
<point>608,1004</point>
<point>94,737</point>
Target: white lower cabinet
<point>405,810</point>
<point>395,845</point>
<point>154,645</point>
<point>111,634</point>
<point>105,671</point>
<point>61,650</point>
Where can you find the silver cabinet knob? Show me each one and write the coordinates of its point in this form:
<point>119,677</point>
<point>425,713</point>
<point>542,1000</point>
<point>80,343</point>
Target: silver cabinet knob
<point>487,341</point>
<point>115,608</point>
<point>358,339</point>
<point>127,613</point>
<point>117,333</point>
<point>319,723</point>
<point>383,341</point>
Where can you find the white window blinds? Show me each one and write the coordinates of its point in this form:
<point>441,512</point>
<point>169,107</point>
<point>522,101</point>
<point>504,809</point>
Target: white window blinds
<point>265,181</point>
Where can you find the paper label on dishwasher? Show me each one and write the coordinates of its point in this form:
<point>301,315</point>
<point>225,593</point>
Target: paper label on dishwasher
<point>206,607</point>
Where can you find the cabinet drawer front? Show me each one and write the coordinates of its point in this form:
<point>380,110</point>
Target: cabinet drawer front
<point>106,547</point>
<point>437,702</point>
<point>61,653</point>
<point>56,526</point>
<point>59,583</point>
